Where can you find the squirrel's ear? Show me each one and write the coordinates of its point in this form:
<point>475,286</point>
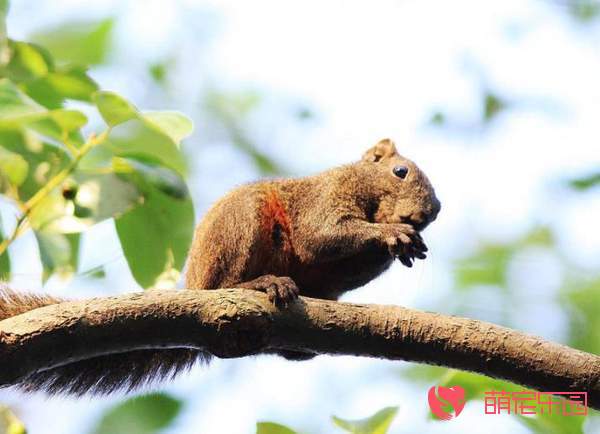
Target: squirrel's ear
<point>383,149</point>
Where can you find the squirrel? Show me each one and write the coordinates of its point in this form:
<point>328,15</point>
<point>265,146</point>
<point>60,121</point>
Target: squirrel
<point>318,236</point>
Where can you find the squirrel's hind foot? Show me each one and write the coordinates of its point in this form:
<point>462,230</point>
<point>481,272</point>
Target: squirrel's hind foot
<point>281,290</point>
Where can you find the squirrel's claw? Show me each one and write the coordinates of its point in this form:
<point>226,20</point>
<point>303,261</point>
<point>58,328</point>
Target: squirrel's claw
<point>407,245</point>
<point>405,260</point>
<point>281,290</point>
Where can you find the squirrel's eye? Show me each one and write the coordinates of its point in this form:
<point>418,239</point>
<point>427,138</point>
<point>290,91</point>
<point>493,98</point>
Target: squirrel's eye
<point>401,171</point>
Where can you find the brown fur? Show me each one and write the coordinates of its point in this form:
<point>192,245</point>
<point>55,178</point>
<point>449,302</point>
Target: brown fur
<point>318,236</point>
<point>336,227</point>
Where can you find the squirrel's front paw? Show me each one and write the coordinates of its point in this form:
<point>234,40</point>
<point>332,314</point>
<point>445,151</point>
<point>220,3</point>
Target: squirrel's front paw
<point>281,290</point>
<point>405,243</point>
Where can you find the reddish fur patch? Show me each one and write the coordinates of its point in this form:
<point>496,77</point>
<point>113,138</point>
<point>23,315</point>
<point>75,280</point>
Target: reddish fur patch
<point>274,214</point>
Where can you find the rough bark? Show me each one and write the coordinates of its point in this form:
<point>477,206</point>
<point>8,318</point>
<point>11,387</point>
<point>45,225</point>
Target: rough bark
<point>236,323</point>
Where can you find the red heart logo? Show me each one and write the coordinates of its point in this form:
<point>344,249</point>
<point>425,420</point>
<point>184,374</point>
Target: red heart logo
<point>454,396</point>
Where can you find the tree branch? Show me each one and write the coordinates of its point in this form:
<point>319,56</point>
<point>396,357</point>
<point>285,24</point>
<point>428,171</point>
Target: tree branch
<point>238,322</point>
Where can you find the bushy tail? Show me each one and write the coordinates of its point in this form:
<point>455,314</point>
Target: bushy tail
<point>103,374</point>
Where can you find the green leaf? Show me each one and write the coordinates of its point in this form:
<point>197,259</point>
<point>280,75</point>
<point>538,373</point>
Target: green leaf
<point>156,236</point>
<point>585,182</point>
<point>16,427</point>
<point>158,71</point>
<point>68,120</point>
<point>105,196</point>
<point>58,252</point>
<point>32,68</point>
<point>98,272</point>
<point>174,124</point>
<point>74,244</point>
<point>4,259</point>
<point>136,139</point>
<point>84,43</point>
<point>438,118</point>
<point>376,424</point>
<point>152,136</point>
<point>146,414</point>
<point>14,104</point>
<point>272,428</point>
<point>83,201</point>
<point>493,105</point>
<point>61,125</point>
<point>13,166</point>
<point>553,423</point>
<point>22,113</point>
<point>581,298</point>
<point>152,176</point>
<point>64,83</point>
<point>44,160</point>
<point>114,108</point>
<point>73,83</point>
<point>4,48</point>
<point>27,62</point>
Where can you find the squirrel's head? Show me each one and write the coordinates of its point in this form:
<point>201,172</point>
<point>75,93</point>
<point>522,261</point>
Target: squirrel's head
<point>405,193</point>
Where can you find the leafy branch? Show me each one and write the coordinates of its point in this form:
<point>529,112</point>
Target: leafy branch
<point>133,172</point>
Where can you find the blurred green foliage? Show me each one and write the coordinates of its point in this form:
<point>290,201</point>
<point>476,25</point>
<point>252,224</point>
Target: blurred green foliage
<point>232,111</point>
<point>4,259</point>
<point>488,265</point>
<point>585,182</point>
<point>159,71</point>
<point>581,299</point>
<point>83,43</point>
<point>476,385</point>
<point>493,105</point>
<point>582,10</point>
<point>272,428</point>
<point>377,423</point>
<point>147,414</point>
<point>63,182</point>
<point>10,423</point>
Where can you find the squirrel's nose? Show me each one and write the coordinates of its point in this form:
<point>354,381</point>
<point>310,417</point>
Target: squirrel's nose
<point>421,219</point>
